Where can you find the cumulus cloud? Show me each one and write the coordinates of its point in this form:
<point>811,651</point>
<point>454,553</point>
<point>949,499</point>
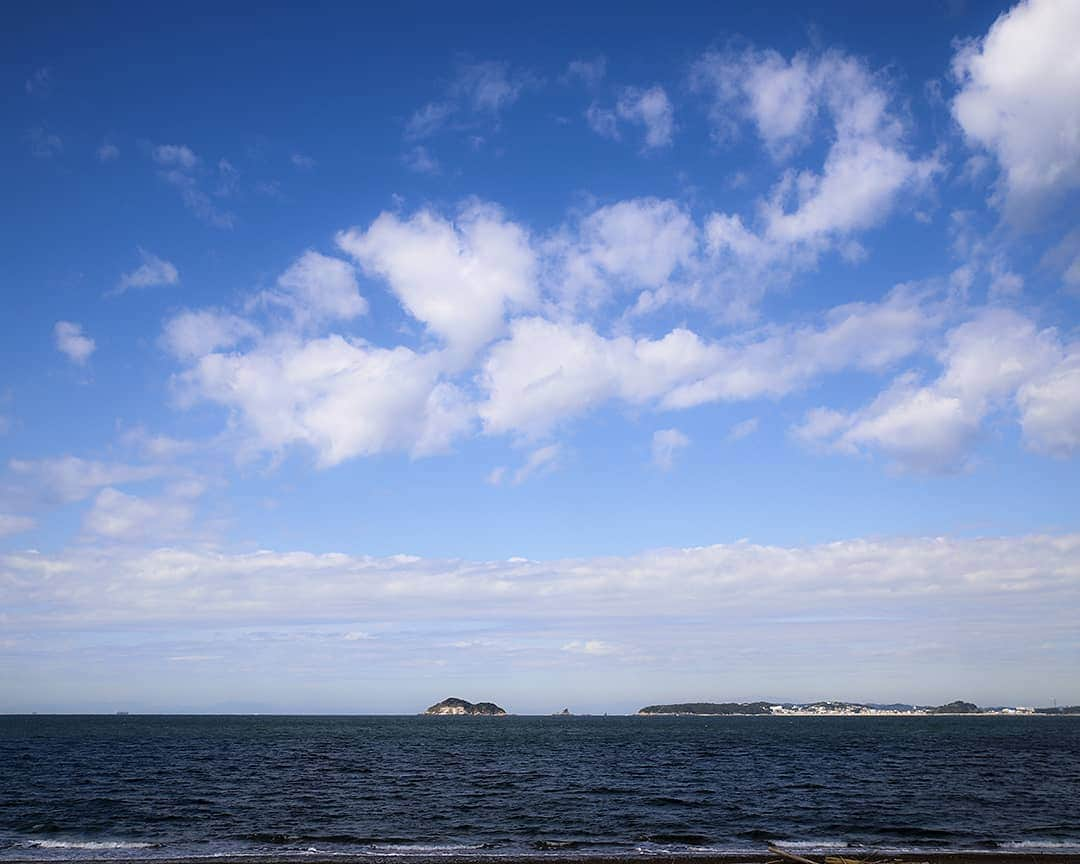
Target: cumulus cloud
<point>459,278</point>
<point>641,245</point>
<point>153,271</point>
<point>72,342</point>
<point>1019,98</point>
<point>340,397</point>
<point>650,109</point>
<point>1049,404</point>
<point>997,361</point>
<point>192,334</point>
<point>665,444</point>
<point>867,166</point>
<point>546,372</point>
<point>317,288</point>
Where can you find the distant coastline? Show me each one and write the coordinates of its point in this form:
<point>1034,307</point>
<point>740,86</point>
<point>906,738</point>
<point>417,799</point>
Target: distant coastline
<point>957,708</point>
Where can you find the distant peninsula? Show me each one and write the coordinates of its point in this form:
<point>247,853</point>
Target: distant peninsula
<point>462,707</point>
<point>832,709</point>
<point>709,708</point>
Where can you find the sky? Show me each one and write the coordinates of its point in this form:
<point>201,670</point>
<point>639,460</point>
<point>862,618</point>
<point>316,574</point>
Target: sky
<point>354,357</point>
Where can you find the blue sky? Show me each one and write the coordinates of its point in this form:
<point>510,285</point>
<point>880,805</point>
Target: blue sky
<point>354,358</point>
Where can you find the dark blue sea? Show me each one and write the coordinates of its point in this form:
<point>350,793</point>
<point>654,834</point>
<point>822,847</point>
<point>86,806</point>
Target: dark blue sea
<point>173,787</point>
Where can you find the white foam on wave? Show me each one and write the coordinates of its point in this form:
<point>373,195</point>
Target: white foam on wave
<point>1055,845</point>
<point>88,844</point>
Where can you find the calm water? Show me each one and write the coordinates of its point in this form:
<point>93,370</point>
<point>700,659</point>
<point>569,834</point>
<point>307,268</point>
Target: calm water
<point>181,786</point>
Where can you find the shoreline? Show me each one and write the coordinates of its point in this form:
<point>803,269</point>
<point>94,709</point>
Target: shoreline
<point>851,856</point>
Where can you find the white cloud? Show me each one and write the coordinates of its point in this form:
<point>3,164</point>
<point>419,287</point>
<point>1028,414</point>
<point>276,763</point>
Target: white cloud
<point>489,86</point>
<point>743,429</point>
<point>478,90</point>
<point>639,244</point>
<point>603,121</point>
<point>1049,406</point>
<point>540,461</point>
<point>118,516</point>
<point>1019,98</point>
<point>316,289</point>
<point>546,372</point>
<point>651,109</point>
<point>152,272</point>
<point>175,155</point>
<point>70,479</point>
<point>305,163</point>
<point>72,342</point>
<point>107,152</point>
<point>665,444</point>
<point>196,200</point>
<point>459,278</point>
<point>1031,579</point>
<point>595,647</point>
<point>865,171</point>
<point>430,119</point>
<point>1064,257</point>
<point>155,447</point>
<point>419,160</point>
<point>995,361</point>
<point>13,524</point>
<point>191,334</point>
<point>779,96</point>
<point>588,72</point>
<point>343,398</point>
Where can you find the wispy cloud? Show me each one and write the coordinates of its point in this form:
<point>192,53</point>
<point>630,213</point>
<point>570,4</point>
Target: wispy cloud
<point>665,444</point>
<point>153,272</point>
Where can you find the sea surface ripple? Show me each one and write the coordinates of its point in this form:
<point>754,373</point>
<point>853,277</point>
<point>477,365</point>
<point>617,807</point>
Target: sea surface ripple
<point>175,787</point>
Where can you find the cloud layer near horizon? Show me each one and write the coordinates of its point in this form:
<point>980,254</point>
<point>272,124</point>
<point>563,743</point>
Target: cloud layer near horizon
<point>904,610</point>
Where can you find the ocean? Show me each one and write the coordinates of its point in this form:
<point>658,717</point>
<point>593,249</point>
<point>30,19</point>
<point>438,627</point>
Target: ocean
<point>178,787</point>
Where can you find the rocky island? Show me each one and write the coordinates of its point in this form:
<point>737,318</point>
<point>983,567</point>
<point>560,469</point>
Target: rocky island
<point>462,707</point>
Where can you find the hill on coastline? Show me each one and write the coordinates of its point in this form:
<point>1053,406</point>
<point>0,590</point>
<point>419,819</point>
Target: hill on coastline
<point>710,708</point>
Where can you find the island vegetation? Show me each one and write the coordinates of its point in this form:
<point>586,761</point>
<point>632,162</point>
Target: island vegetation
<point>462,707</point>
